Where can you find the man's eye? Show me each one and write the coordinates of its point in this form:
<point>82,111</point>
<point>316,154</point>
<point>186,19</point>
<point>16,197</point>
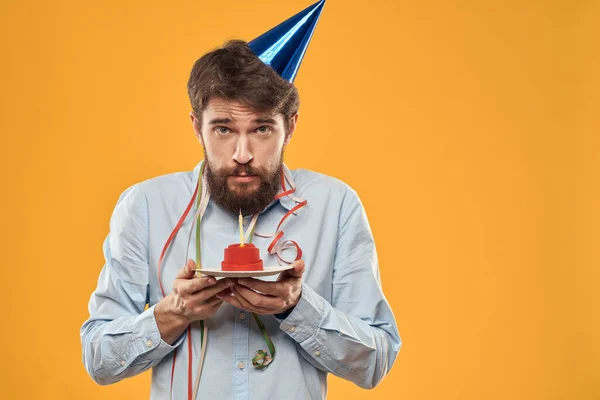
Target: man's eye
<point>264,130</point>
<point>222,130</point>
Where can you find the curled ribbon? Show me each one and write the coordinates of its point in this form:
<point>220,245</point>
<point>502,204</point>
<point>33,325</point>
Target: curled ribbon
<point>261,358</point>
<point>275,247</point>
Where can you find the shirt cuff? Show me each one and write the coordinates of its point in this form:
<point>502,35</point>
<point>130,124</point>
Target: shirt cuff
<point>146,336</point>
<point>284,315</point>
<point>304,320</point>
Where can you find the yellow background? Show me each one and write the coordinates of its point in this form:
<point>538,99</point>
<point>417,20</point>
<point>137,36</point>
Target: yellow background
<point>468,129</point>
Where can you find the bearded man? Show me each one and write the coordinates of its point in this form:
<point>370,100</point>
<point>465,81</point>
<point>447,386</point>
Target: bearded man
<point>205,336</point>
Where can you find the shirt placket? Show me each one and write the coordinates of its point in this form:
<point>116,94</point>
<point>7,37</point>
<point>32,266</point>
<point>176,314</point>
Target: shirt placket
<point>240,350</point>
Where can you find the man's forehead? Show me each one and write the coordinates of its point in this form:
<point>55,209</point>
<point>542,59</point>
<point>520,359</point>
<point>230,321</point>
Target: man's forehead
<point>235,110</point>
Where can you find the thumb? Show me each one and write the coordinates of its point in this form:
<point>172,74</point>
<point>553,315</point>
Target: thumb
<point>297,271</point>
<point>188,270</point>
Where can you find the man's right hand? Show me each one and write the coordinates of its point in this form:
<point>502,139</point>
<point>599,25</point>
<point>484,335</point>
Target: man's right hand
<point>193,299</point>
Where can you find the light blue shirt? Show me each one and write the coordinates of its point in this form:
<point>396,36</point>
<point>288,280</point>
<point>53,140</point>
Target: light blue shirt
<point>342,324</point>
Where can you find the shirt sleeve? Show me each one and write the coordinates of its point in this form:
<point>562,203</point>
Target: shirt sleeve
<point>121,338</point>
<point>355,336</point>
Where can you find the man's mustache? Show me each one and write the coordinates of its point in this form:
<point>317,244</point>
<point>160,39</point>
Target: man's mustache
<point>244,170</point>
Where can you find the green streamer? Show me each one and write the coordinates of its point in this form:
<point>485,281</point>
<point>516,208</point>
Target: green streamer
<point>261,358</point>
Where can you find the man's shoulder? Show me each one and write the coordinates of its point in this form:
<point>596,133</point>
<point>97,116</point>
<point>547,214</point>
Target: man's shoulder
<point>173,179</point>
<point>308,181</point>
<point>170,183</point>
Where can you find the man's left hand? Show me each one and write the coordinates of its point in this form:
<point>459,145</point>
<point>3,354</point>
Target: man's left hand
<point>263,297</point>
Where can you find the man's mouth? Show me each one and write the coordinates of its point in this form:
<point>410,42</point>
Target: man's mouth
<point>244,178</point>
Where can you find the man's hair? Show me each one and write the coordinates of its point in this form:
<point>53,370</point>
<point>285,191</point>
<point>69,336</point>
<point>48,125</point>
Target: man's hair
<point>234,72</point>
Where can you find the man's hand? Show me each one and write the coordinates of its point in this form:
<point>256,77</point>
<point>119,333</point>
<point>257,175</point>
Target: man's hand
<point>195,298</point>
<point>263,297</point>
<point>192,299</point>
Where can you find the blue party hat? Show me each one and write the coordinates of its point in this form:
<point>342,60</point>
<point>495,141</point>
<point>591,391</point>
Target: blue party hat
<point>283,47</point>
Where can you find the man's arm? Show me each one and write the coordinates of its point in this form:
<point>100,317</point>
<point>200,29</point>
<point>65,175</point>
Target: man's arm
<point>355,337</point>
<point>121,339</point>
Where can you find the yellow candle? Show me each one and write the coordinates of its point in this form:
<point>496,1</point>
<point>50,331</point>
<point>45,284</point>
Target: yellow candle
<point>241,230</point>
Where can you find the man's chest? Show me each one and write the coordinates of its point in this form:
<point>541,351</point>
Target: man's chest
<point>312,231</point>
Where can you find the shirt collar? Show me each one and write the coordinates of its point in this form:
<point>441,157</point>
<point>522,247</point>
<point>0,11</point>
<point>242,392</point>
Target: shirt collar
<point>285,201</point>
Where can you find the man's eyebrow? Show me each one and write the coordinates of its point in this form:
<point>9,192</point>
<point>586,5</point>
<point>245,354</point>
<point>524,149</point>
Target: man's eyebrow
<point>265,120</point>
<point>220,121</point>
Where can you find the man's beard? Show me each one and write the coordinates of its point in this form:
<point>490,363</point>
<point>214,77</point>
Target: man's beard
<point>244,199</point>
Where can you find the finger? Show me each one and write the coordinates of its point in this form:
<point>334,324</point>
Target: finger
<point>215,289</point>
<point>187,271</point>
<point>194,285</point>
<point>212,302</point>
<point>295,272</point>
<point>242,299</point>
<point>247,305</point>
<point>270,288</point>
<point>209,309</point>
<point>208,306</point>
<point>254,299</point>
<point>212,289</point>
<point>231,299</point>
<point>224,292</point>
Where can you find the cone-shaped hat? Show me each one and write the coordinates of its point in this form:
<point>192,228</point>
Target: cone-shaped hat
<point>283,47</point>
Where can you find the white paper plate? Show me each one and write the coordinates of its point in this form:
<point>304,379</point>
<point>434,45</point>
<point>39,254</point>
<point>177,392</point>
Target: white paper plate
<point>244,274</point>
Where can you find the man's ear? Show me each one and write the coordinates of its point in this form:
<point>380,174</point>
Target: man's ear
<point>196,124</point>
<point>292,128</point>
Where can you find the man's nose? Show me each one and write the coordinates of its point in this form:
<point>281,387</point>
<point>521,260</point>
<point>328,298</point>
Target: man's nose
<point>243,153</point>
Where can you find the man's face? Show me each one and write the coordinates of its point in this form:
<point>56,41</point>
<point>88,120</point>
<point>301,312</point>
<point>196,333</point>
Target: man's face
<point>244,153</point>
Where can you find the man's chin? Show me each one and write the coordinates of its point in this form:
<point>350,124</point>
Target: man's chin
<point>243,190</point>
<point>243,187</point>
<point>249,193</point>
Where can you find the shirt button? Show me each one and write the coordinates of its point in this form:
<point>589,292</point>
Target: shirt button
<point>292,329</point>
<point>242,316</point>
<point>241,365</point>
<point>123,363</point>
<point>149,343</point>
<point>317,353</point>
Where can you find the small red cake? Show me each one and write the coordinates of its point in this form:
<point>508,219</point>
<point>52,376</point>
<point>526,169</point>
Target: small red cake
<point>238,258</point>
